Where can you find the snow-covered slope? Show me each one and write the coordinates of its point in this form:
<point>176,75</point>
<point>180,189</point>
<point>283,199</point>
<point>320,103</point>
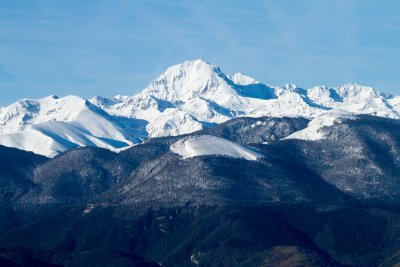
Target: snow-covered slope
<point>314,130</point>
<point>203,95</point>
<point>52,125</point>
<point>211,145</point>
<point>187,97</point>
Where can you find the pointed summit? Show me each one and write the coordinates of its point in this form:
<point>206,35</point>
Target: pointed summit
<point>356,91</point>
<point>190,68</point>
<point>242,79</point>
<point>185,98</point>
<point>188,80</point>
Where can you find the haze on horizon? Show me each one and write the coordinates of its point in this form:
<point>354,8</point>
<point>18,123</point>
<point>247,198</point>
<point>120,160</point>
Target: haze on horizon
<point>105,48</point>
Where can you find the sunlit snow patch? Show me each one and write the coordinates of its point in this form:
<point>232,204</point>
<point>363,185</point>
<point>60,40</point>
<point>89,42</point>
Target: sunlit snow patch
<point>211,145</point>
<point>314,129</point>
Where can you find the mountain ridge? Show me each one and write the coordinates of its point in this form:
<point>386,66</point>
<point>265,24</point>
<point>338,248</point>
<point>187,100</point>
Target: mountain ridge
<point>330,202</point>
<point>187,97</point>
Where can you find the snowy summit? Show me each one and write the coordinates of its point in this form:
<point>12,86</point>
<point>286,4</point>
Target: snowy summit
<point>187,97</point>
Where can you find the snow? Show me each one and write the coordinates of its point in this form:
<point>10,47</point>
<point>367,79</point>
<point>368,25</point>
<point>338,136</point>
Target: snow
<point>356,93</point>
<point>321,95</point>
<point>242,79</point>
<point>106,101</point>
<point>202,95</point>
<point>314,130</point>
<point>173,122</point>
<point>211,145</point>
<point>31,140</point>
<point>51,125</point>
<point>185,98</point>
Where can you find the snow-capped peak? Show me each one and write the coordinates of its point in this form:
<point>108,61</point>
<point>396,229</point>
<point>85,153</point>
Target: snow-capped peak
<point>51,125</point>
<point>25,112</point>
<point>356,91</point>
<point>188,80</point>
<point>106,101</point>
<point>242,79</point>
<point>187,97</point>
<point>289,87</point>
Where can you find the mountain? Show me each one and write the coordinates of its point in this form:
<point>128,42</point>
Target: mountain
<point>202,169</point>
<point>195,94</point>
<point>360,156</point>
<point>241,193</point>
<point>52,125</point>
<point>357,159</point>
<point>187,97</point>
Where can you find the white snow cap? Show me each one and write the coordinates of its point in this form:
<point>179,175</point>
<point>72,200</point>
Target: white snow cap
<point>185,98</point>
<point>52,125</point>
<point>242,79</point>
<point>211,145</point>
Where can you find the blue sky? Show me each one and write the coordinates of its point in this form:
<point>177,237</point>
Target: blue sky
<point>96,47</point>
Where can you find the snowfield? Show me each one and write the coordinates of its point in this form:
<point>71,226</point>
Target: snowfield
<point>211,145</point>
<point>314,130</point>
<point>53,125</point>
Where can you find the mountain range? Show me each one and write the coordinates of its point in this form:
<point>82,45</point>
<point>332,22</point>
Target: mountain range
<point>202,169</point>
<point>187,97</point>
<point>240,193</point>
